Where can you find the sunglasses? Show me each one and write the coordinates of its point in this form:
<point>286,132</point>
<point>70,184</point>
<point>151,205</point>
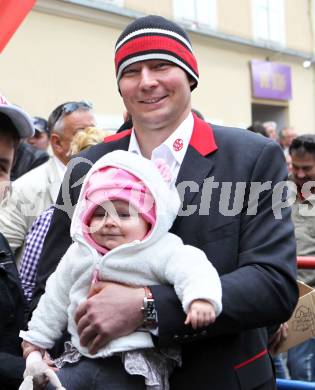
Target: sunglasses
<point>69,108</point>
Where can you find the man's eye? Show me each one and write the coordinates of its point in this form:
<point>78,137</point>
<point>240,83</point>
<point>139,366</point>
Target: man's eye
<point>162,65</point>
<point>129,72</point>
<point>3,169</point>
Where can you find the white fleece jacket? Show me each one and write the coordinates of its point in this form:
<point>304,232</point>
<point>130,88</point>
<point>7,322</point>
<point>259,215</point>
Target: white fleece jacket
<point>161,258</point>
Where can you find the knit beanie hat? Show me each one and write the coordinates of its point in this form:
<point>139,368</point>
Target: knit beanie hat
<point>154,37</point>
<point>112,183</point>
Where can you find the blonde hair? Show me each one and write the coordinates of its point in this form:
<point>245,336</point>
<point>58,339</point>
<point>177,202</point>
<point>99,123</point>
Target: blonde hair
<point>88,137</point>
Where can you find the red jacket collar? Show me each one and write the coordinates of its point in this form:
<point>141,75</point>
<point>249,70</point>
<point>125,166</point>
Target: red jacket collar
<point>117,136</point>
<point>202,138</point>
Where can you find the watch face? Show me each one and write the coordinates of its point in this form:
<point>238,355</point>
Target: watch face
<point>151,312</point>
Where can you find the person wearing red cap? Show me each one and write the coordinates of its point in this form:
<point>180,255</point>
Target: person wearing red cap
<point>249,243</point>
<point>120,233</point>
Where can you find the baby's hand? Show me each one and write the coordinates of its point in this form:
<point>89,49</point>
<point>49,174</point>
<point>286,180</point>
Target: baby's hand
<point>201,313</point>
<point>28,348</point>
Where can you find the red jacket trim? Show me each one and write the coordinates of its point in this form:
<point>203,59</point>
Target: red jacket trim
<point>202,138</point>
<point>117,136</point>
<point>252,359</point>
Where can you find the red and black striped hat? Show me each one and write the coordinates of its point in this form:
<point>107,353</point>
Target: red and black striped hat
<point>154,37</point>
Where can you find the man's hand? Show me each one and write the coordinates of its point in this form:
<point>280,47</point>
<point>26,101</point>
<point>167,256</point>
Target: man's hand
<point>278,338</point>
<point>112,310</point>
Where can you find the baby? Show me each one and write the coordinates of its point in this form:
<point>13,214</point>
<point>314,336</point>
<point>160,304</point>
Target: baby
<point>120,232</point>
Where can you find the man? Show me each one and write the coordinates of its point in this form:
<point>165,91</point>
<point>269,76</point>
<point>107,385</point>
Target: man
<point>40,139</point>
<point>286,136</point>
<point>301,359</point>
<point>15,125</point>
<point>253,251</point>
<point>258,128</point>
<point>37,190</point>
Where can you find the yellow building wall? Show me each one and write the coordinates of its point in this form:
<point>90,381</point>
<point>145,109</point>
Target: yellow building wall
<point>223,94</point>
<point>157,7</point>
<point>234,17</point>
<point>301,112</point>
<point>52,59</point>
<point>298,25</point>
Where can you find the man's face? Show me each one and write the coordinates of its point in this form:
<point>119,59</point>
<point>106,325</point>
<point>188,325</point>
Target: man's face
<point>156,93</point>
<point>288,136</point>
<point>40,140</point>
<point>72,123</point>
<point>6,162</point>
<point>303,167</point>
<point>271,133</point>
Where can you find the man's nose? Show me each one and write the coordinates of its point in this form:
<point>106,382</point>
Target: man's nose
<point>300,174</point>
<point>147,78</point>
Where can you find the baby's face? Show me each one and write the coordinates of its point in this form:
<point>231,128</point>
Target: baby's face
<point>116,223</point>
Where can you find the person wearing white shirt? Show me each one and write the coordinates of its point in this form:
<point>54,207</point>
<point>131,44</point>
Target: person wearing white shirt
<point>37,190</point>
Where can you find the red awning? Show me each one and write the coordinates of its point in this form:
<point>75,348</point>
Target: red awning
<point>12,13</point>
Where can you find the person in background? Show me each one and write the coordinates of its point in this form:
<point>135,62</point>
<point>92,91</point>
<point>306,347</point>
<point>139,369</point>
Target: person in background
<point>258,128</point>
<point>40,139</point>
<point>271,129</point>
<point>27,158</point>
<point>156,73</point>
<point>15,125</point>
<point>301,359</point>
<point>286,136</point>
<point>88,137</point>
<point>288,160</point>
<point>35,191</point>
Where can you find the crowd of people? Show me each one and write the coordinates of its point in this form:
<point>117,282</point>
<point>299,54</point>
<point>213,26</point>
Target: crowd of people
<point>299,151</point>
<point>151,282</point>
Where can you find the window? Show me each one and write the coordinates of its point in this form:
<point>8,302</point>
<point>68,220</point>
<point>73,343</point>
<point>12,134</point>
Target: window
<point>119,3</point>
<point>268,20</point>
<point>196,13</point>
<point>98,3</point>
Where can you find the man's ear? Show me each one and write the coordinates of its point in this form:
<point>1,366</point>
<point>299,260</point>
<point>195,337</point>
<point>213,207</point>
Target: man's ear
<point>55,142</point>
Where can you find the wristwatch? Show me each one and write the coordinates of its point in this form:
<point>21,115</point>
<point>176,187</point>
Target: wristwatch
<point>149,310</point>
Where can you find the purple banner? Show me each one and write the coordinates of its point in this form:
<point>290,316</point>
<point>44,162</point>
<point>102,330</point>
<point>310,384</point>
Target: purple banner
<point>271,80</point>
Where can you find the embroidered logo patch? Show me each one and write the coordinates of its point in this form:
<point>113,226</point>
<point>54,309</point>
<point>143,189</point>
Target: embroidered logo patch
<point>178,144</point>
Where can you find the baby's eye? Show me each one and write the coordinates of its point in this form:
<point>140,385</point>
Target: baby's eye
<point>99,215</point>
<point>123,215</point>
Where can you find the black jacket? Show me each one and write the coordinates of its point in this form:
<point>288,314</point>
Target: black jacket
<point>252,249</point>
<point>27,158</point>
<point>12,319</point>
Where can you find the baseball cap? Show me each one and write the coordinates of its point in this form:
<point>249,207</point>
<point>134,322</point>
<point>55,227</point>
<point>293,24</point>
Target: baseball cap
<point>40,124</point>
<point>20,119</point>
